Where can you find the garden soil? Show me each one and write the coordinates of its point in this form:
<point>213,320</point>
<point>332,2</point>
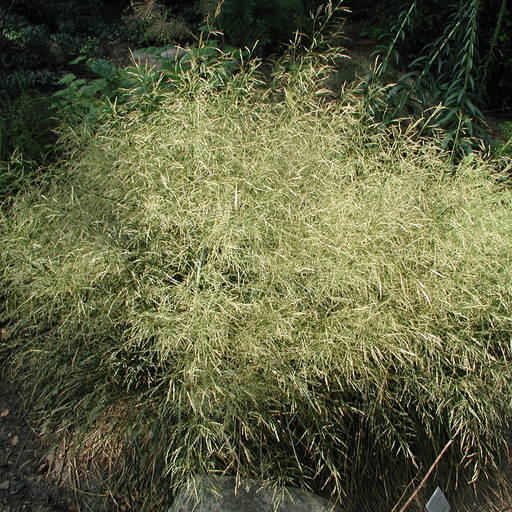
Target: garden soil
<point>28,478</point>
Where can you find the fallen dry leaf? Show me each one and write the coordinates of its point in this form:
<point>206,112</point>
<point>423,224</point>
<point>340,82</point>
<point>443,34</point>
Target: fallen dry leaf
<point>4,413</point>
<point>14,440</point>
<point>4,485</point>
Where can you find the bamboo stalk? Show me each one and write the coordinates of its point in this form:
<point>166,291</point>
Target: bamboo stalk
<point>427,476</point>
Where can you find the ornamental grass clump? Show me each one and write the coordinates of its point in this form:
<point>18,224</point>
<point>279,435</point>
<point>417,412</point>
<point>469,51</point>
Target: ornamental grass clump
<point>260,285</point>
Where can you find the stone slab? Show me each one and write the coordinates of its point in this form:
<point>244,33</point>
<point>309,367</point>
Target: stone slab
<point>219,494</point>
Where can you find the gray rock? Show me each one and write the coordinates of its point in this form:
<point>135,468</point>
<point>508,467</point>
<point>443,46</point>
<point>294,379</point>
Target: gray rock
<point>144,58</point>
<point>56,52</point>
<point>174,53</point>
<point>219,494</point>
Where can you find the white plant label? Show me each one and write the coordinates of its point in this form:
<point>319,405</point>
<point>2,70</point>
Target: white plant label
<point>438,502</point>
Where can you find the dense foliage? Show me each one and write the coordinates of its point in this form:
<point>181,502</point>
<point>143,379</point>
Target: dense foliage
<point>233,269</point>
<point>267,21</point>
<point>457,54</point>
<point>433,21</point>
<point>218,274</point>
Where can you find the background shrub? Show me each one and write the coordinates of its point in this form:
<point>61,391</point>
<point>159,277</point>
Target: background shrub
<point>28,124</point>
<point>502,145</point>
<point>447,54</point>
<point>268,21</point>
<point>27,138</point>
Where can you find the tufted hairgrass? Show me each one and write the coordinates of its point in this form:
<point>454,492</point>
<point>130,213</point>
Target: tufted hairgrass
<point>266,288</point>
